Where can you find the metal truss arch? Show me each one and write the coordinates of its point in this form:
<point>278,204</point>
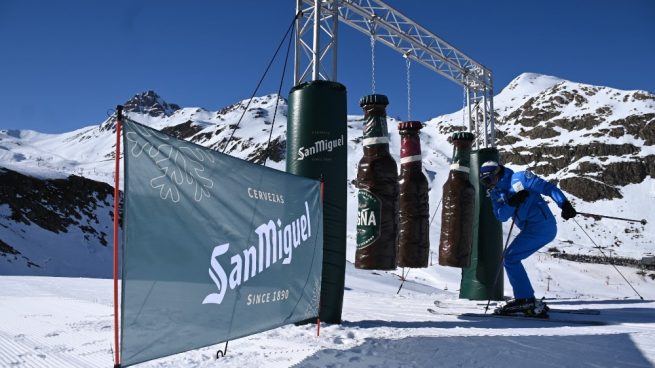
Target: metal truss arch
<point>316,41</point>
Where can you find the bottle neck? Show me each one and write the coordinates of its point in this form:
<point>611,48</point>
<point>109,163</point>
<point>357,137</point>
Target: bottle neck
<point>461,155</point>
<point>410,147</point>
<point>375,127</point>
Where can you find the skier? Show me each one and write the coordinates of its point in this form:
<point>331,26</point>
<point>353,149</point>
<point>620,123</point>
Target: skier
<point>518,195</point>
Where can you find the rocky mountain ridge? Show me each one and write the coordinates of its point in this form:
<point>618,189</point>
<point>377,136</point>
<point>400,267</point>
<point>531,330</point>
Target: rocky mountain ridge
<point>591,140</point>
<point>596,142</point>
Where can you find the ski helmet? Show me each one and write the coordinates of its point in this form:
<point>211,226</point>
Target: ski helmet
<point>488,171</point>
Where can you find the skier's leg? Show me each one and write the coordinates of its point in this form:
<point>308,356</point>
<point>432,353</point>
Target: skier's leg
<point>527,242</point>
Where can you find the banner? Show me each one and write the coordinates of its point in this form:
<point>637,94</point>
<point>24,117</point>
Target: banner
<point>215,248</point>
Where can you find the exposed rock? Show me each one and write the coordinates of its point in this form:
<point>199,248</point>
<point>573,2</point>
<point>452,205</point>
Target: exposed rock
<point>643,96</point>
<point>530,116</point>
<point>589,91</point>
<point>182,131</point>
<point>641,126</point>
<point>624,173</point>
<point>447,129</point>
<point>55,204</point>
<point>604,111</point>
<point>258,112</point>
<point>586,121</point>
<point>587,167</point>
<point>648,134</point>
<point>540,132</point>
<point>615,132</point>
<point>275,152</point>
<point>562,156</point>
<point>150,103</point>
<point>618,261</point>
<point>589,190</point>
<point>504,138</point>
<point>649,161</point>
<point>7,249</point>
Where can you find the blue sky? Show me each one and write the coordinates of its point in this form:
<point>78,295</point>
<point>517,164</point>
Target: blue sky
<point>64,63</point>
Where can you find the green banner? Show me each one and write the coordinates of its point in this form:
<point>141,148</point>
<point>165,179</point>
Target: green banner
<point>215,248</point>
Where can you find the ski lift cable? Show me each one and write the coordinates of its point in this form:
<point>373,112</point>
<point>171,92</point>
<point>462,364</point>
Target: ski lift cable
<point>293,22</point>
<point>277,100</point>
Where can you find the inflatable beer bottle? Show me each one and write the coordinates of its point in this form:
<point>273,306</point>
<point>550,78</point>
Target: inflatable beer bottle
<point>414,215</point>
<point>377,180</point>
<point>458,206</point>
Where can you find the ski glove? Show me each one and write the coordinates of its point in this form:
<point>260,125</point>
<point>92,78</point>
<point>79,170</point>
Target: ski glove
<point>568,211</point>
<point>518,198</point>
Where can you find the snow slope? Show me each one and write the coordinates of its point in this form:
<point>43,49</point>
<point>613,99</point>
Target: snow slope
<point>66,322</point>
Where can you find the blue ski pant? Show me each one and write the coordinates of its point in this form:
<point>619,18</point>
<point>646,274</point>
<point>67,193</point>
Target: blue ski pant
<point>531,238</point>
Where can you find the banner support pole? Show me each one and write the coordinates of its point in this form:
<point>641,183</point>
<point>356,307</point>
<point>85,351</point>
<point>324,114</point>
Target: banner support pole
<point>119,121</point>
<point>318,319</point>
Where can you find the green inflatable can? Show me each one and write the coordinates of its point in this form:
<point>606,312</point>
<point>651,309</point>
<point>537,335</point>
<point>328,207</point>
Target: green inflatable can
<point>317,149</point>
<point>479,280</point>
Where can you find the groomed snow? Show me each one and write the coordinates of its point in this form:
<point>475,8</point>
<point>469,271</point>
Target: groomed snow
<point>65,322</point>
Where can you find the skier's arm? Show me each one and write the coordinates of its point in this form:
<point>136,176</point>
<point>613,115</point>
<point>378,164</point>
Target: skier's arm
<point>501,209</point>
<point>543,187</point>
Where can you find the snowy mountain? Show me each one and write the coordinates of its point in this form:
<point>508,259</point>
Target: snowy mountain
<point>596,142</point>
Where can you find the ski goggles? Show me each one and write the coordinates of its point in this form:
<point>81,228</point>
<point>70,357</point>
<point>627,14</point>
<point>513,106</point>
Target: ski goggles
<point>487,178</point>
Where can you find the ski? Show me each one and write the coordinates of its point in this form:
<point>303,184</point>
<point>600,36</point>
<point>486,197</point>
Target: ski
<point>519,317</point>
<point>587,311</point>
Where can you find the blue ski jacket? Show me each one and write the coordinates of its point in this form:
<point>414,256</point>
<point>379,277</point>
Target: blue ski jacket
<point>534,209</point>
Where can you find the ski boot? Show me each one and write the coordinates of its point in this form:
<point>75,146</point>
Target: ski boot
<point>529,307</point>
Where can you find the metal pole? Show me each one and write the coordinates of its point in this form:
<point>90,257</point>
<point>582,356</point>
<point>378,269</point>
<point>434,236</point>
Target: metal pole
<point>642,221</point>
<point>335,19</point>
<point>468,108</point>
<point>484,118</point>
<point>476,108</point>
<point>492,123</point>
<point>297,50</point>
<point>317,36</point>
<point>119,122</point>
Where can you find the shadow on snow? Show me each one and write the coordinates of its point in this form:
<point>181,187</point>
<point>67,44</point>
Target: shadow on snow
<point>615,350</point>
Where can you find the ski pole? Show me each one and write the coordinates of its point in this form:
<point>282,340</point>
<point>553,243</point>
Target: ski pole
<point>608,259</point>
<point>500,266</point>
<point>642,221</point>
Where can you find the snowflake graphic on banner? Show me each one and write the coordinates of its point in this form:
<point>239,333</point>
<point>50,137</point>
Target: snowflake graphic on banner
<point>179,166</point>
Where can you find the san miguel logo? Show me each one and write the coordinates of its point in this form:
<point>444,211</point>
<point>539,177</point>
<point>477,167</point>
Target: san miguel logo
<point>276,242</point>
<point>320,146</point>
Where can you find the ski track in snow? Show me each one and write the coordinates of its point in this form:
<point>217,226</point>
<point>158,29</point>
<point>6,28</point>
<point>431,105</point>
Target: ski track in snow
<point>68,322</point>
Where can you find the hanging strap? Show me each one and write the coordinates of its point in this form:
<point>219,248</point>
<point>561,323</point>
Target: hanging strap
<point>408,64</point>
<point>372,27</point>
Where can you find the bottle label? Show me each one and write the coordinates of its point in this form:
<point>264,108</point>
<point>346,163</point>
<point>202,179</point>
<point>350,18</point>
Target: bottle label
<point>408,159</point>
<point>368,218</point>
<point>410,146</point>
<point>375,140</point>
<point>375,130</point>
